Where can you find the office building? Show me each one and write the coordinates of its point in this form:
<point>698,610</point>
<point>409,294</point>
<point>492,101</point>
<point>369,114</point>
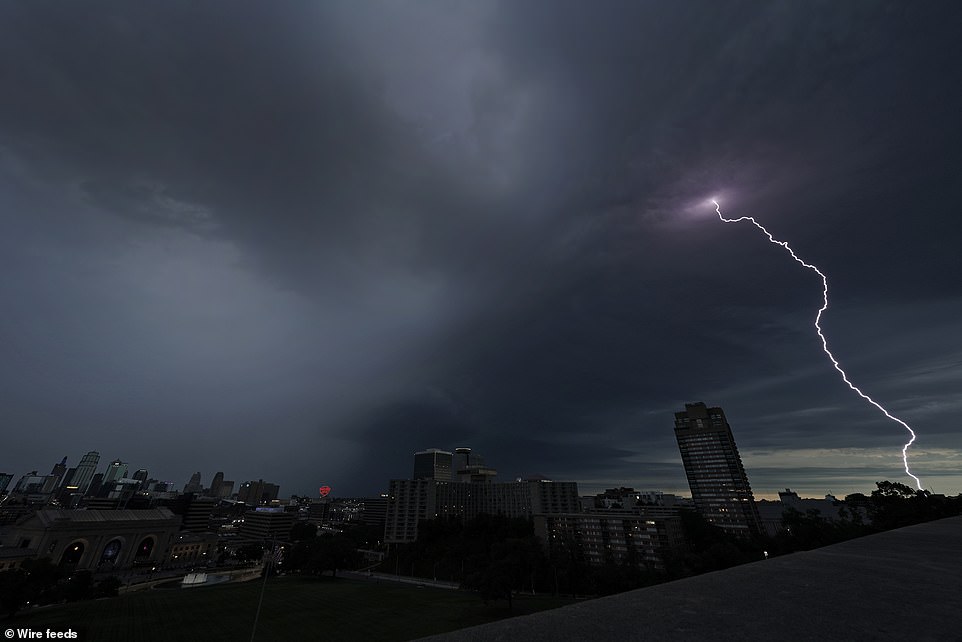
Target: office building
<point>86,470</point>
<point>67,480</point>
<point>719,486</point>
<point>194,485</point>
<point>35,486</point>
<point>197,512</point>
<point>412,500</point>
<point>433,463</point>
<point>215,484</point>
<point>267,523</point>
<point>226,489</point>
<point>59,470</point>
<point>258,492</point>
<point>93,490</point>
<point>116,470</point>
<point>319,511</point>
<point>141,477</point>
<point>374,510</point>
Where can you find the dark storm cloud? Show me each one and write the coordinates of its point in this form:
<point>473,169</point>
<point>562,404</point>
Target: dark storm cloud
<point>357,231</point>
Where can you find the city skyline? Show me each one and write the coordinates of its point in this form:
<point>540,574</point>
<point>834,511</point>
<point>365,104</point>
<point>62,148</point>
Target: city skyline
<point>291,244</point>
<point>72,476</point>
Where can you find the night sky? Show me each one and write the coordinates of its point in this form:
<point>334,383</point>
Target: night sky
<point>300,241</point>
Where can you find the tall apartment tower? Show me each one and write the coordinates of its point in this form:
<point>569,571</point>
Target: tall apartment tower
<point>716,476</point>
<point>433,464</point>
<point>85,471</point>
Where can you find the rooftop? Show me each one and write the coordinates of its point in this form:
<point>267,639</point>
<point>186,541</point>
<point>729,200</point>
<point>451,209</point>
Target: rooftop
<point>51,516</point>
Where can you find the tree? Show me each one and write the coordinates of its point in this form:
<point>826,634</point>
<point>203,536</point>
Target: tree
<point>887,489</point>
<point>35,581</point>
<point>78,586</point>
<point>302,531</point>
<point>249,552</point>
<point>324,553</point>
<point>108,587</point>
<point>709,548</point>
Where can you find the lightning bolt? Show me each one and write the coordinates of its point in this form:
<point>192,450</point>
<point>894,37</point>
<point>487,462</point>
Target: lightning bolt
<point>821,335</point>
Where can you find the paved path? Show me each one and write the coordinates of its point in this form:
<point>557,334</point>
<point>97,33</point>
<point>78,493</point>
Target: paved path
<point>899,585</point>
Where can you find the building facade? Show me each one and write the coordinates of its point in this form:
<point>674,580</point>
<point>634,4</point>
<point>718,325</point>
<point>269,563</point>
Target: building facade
<point>258,492</point>
<point>412,500</point>
<point>116,470</point>
<point>433,463</point>
<point>719,485</point>
<point>612,538</point>
<point>267,523</point>
<point>95,540</point>
<point>86,470</point>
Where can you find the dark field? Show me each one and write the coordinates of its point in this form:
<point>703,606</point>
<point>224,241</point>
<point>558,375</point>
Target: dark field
<point>294,609</point>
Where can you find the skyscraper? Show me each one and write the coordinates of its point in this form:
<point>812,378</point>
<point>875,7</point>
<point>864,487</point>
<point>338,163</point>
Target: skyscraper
<point>257,492</point>
<point>433,463</point>
<point>216,484</point>
<point>116,470</point>
<point>716,476</point>
<point>141,476</point>
<point>59,470</point>
<point>193,486</point>
<point>85,471</point>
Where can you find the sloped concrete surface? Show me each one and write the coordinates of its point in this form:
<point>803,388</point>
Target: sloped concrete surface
<point>899,585</point>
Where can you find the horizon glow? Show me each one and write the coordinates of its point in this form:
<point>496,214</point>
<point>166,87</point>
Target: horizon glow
<point>821,335</point>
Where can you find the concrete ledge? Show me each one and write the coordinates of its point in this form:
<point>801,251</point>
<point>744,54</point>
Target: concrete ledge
<point>899,585</point>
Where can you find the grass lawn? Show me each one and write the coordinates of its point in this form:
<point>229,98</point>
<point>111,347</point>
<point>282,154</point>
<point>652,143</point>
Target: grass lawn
<point>294,608</point>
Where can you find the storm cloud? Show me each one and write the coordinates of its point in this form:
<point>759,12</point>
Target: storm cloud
<point>302,241</point>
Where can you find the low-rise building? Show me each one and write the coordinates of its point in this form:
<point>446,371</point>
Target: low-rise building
<point>267,523</point>
<point>95,540</point>
<point>191,549</point>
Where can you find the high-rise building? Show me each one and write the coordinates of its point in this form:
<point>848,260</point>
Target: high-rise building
<point>68,478</point>
<point>464,457</point>
<point>226,489</point>
<point>116,470</point>
<point>193,486</point>
<point>716,476</point>
<point>197,513</point>
<point>59,470</point>
<point>93,488</point>
<point>469,467</point>
<point>35,484</point>
<point>433,463</point>
<point>215,485</point>
<point>85,471</point>
<point>258,492</point>
<point>412,500</point>
<point>375,510</point>
<point>141,476</point>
